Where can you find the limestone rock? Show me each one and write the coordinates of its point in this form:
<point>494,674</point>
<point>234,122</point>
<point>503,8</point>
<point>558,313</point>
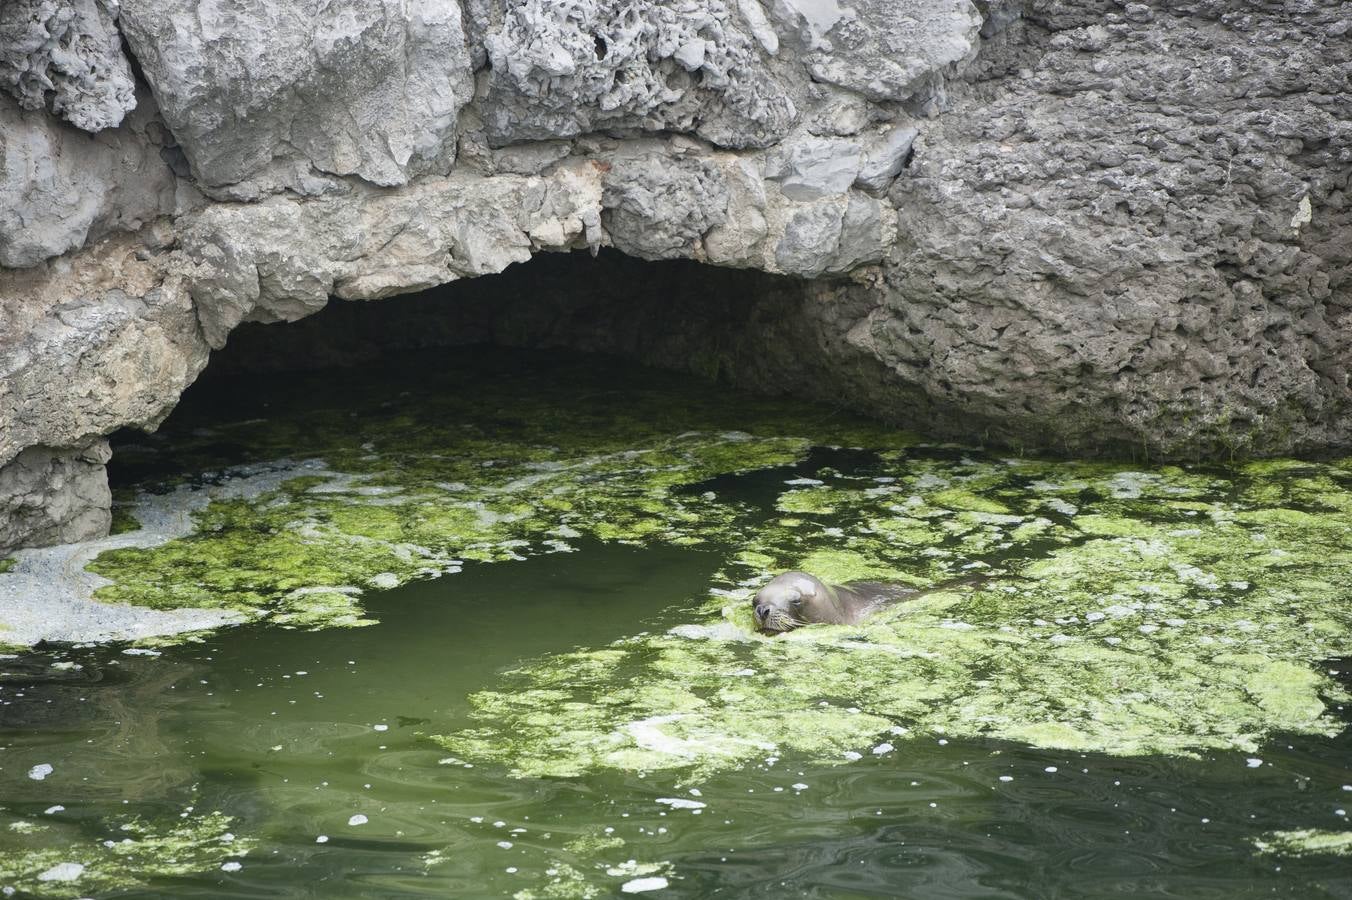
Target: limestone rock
<point>657,208</point>
<point>883,49</point>
<point>66,56</point>
<point>884,158</point>
<point>1079,239</point>
<point>60,187</point>
<point>263,95</point>
<point>1122,245</point>
<point>97,342</point>
<point>280,260</point>
<point>739,241</point>
<point>833,235</point>
<point>810,167</point>
<point>561,68</point>
<point>811,237</point>
<point>54,497</point>
<point>997,15</point>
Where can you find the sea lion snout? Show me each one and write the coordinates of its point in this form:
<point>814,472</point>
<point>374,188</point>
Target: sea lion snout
<point>778,606</point>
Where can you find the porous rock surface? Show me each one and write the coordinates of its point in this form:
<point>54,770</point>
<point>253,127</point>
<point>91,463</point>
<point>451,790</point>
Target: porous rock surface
<point>50,497</point>
<point>560,68</point>
<point>1089,226</point>
<point>66,56</point>
<point>62,187</point>
<point>264,95</point>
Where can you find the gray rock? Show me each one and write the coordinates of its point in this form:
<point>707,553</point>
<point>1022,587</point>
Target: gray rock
<point>280,260</point>
<point>566,67</point>
<point>739,241</point>
<point>867,231</point>
<point>833,235</point>
<point>809,167</point>
<point>811,237</point>
<point>263,95</point>
<point>997,15</point>
<point>759,24</point>
<point>60,188</point>
<point>884,158</point>
<point>1103,254</point>
<point>530,159</point>
<point>103,340</point>
<point>52,496</point>
<point>66,56</point>
<point>884,49</point>
<point>656,207</point>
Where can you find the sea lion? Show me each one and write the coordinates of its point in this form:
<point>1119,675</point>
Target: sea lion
<point>797,598</point>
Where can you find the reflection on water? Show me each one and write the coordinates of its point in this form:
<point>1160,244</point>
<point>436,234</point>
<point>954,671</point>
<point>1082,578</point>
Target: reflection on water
<point>293,734</point>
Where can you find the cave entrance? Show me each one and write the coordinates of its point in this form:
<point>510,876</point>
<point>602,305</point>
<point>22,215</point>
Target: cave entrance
<point>766,334</point>
<point>375,445</point>
<point>730,325</point>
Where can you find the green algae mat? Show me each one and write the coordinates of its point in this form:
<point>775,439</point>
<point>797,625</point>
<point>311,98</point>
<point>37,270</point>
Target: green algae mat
<point>499,644</point>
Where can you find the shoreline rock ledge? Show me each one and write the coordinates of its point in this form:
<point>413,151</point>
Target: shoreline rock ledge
<point>1093,227</point>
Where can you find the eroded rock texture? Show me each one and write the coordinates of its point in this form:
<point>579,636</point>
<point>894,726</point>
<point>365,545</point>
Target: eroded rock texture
<point>61,187</point>
<point>55,496</point>
<point>560,68</point>
<point>97,342</point>
<point>66,56</point>
<point>1138,242</point>
<point>264,95</point>
<point>1089,226</point>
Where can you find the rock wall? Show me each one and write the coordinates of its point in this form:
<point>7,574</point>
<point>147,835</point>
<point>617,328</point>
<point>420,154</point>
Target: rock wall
<point>1090,226</point>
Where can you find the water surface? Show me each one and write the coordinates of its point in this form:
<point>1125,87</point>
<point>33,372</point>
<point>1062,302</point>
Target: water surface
<point>1141,698</point>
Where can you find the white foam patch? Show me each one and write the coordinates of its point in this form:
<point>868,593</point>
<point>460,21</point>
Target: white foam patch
<point>66,871</point>
<point>718,631</point>
<point>640,885</point>
<point>48,594</point>
<point>681,803</point>
<point>648,735</point>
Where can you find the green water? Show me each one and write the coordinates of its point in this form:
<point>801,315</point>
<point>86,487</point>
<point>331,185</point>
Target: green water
<point>1140,696</point>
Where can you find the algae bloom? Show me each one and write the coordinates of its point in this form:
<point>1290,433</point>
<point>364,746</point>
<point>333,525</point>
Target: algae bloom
<point>1173,611</point>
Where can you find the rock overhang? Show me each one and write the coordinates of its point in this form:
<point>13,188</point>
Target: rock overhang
<point>924,165</point>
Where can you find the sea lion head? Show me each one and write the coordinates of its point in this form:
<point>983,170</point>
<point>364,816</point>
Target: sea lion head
<point>782,604</point>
